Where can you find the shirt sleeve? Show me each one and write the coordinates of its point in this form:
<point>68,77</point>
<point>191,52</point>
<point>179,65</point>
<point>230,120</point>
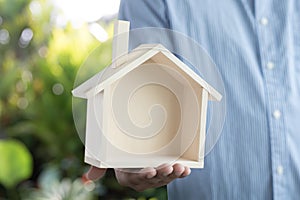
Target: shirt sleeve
<point>144,13</point>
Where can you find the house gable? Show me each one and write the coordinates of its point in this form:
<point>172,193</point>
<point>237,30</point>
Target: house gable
<point>167,58</point>
<point>108,75</point>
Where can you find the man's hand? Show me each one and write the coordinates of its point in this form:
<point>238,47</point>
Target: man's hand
<point>145,178</point>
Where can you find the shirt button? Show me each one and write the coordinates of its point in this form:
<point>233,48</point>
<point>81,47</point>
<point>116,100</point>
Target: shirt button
<point>270,65</point>
<point>276,114</point>
<point>264,21</point>
<point>279,170</point>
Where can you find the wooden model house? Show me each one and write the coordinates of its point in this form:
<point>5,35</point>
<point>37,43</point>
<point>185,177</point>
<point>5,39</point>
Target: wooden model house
<point>145,109</point>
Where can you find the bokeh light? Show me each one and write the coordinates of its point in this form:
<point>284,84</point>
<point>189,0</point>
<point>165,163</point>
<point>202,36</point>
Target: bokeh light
<point>4,36</point>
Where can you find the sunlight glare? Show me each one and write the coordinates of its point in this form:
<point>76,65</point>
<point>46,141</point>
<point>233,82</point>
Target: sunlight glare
<point>79,11</point>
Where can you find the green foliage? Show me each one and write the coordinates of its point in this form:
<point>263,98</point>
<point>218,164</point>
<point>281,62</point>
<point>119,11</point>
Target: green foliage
<point>36,79</point>
<point>14,154</point>
<point>52,188</point>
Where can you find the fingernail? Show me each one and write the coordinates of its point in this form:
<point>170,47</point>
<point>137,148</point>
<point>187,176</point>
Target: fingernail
<point>177,173</point>
<point>149,176</point>
<point>189,172</point>
<point>165,174</point>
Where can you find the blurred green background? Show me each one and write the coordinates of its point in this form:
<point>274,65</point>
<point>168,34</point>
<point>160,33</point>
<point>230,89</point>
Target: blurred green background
<point>41,155</point>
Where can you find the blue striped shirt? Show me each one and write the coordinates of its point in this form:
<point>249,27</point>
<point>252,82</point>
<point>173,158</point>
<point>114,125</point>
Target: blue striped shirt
<point>256,47</point>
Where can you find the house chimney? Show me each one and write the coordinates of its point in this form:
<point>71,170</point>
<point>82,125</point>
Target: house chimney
<point>120,43</point>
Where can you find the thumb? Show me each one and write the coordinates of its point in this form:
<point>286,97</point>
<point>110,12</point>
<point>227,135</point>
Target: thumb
<point>94,173</point>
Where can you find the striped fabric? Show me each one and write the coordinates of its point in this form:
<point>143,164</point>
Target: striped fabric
<point>256,47</point>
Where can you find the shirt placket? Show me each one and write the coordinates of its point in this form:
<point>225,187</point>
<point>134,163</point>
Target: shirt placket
<point>273,65</point>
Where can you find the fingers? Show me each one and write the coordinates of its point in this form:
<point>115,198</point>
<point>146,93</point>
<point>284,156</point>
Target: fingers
<point>164,170</point>
<point>95,173</point>
<point>187,171</point>
<point>151,177</point>
<point>148,173</point>
<point>181,171</point>
<point>142,179</point>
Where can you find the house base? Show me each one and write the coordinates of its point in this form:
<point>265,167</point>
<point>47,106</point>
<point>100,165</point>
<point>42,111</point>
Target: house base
<point>145,161</point>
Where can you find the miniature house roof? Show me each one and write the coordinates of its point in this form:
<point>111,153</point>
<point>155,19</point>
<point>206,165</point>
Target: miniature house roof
<point>126,62</point>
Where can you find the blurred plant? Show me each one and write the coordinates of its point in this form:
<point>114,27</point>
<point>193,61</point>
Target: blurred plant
<point>15,164</point>
<point>51,188</point>
<point>64,190</point>
<point>38,65</point>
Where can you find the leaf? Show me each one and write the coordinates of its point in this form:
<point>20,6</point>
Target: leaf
<point>49,176</point>
<point>15,163</point>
